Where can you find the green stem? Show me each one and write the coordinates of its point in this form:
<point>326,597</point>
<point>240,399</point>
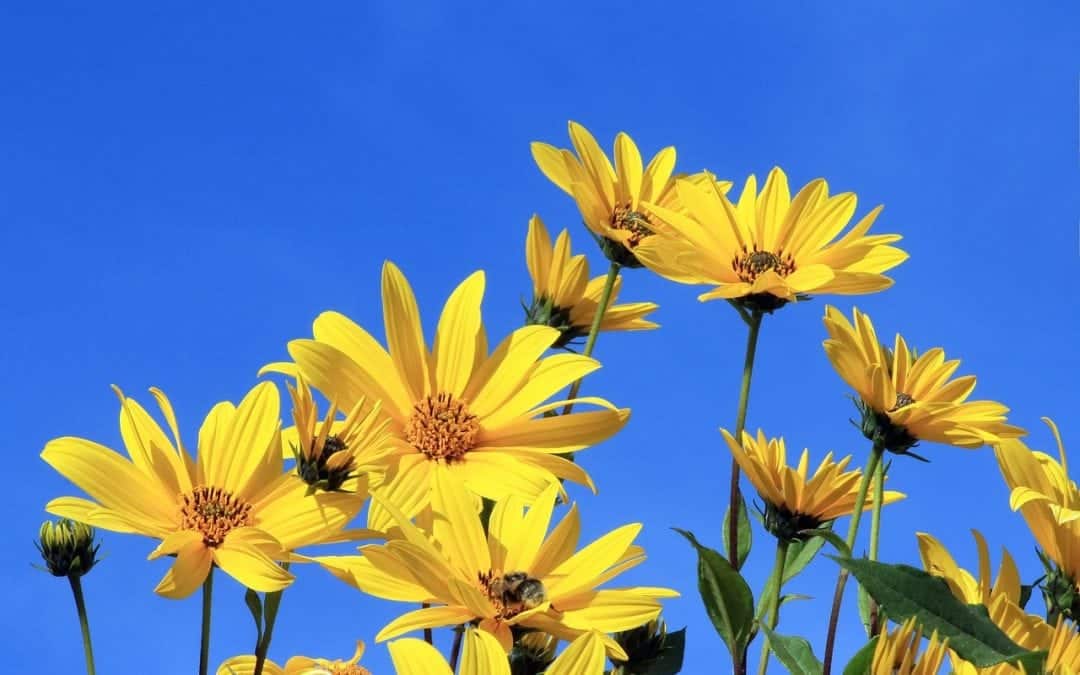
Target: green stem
<point>429,636</point>
<point>773,618</point>
<point>204,644</point>
<point>84,624</point>
<point>875,535</point>
<point>853,530</point>
<point>735,496</point>
<point>262,648</point>
<point>594,329</point>
<point>455,650</point>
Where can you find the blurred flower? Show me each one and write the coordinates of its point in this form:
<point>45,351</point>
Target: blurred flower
<point>67,547</point>
<point>610,199</point>
<point>484,656</point>
<point>768,249</point>
<point>794,499</point>
<point>232,507</point>
<point>897,652</point>
<point>514,575</point>
<point>563,296</point>
<point>297,665</point>
<point>455,408</point>
<point>533,653</point>
<point>906,399</point>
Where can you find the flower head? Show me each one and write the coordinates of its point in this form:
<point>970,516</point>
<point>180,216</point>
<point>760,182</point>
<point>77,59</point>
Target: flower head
<point>768,249</point>
<point>564,297</point>
<point>231,506</point>
<point>455,408</point>
<point>483,655</point>
<point>514,575</point>
<point>297,665</point>
<point>67,547</point>
<point>611,199</point>
<point>794,499</point>
<point>897,652</point>
<point>907,398</point>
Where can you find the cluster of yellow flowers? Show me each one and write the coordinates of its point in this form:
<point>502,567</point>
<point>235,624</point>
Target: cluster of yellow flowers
<point>459,452</point>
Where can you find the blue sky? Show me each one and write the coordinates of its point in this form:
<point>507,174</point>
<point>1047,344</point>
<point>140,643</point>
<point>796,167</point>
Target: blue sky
<point>185,188</point>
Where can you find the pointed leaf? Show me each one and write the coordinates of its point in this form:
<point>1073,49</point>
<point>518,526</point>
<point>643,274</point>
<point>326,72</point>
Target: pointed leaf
<point>799,555</point>
<point>864,609</point>
<point>254,605</point>
<point>831,537</point>
<point>729,602</point>
<point>862,661</point>
<point>794,652</point>
<point>745,534</point>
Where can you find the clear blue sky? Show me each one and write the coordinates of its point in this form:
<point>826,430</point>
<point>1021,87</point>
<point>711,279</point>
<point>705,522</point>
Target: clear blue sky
<point>183,188</point>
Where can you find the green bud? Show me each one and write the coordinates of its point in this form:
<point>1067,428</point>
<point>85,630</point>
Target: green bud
<point>652,650</point>
<point>1060,594</point>
<point>532,654</point>
<point>67,547</point>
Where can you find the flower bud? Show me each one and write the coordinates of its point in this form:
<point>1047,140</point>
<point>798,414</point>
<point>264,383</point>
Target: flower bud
<point>67,547</point>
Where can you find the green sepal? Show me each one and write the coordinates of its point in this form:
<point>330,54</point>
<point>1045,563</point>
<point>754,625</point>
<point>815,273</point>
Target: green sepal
<point>862,661</point>
<point>728,600</point>
<point>794,652</point>
<point>254,605</point>
<point>831,537</point>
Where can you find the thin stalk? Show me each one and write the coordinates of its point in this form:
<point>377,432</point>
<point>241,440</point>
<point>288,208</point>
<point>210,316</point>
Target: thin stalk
<point>594,329</point>
<point>273,604</point>
<point>204,644</point>
<point>429,637</point>
<point>735,496</point>
<point>853,530</point>
<point>455,650</point>
<point>84,624</point>
<point>774,603</point>
<point>875,535</point>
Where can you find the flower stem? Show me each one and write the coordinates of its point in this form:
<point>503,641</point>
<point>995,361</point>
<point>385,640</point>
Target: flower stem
<point>273,604</point>
<point>204,644</point>
<point>84,624</point>
<point>455,650</point>
<point>853,530</point>
<point>429,637</point>
<point>594,329</point>
<point>778,575</point>
<point>735,496</point>
<point>875,535</point>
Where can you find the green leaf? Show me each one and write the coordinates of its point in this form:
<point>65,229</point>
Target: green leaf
<point>864,609</point>
<point>794,652</point>
<point>904,591</point>
<point>729,602</point>
<point>254,605</point>
<point>831,537</point>
<point>744,532</point>
<point>863,659</point>
<point>799,555</point>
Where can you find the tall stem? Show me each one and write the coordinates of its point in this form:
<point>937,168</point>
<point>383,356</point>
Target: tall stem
<point>455,650</point>
<point>735,495</point>
<point>853,530</point>
<point>774,602</point>
<point>262,648</point>
<point>594,329</point>
<point>875,535</point>
<point>84,624</point>
<point>204,644</point>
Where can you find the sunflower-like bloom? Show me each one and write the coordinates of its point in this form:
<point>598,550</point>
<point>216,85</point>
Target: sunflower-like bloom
<point>332,454</point>
<point>897,652</point>
<point>611,199</point>
<point>483,655</point>
<point>907,398</point>
<point>795,500</point>
<point>231,507</point>
<point>455,408</point>
<point>297,665</point>
<point>768,249</point>
<point>565,298</point>
<point>514,575</point>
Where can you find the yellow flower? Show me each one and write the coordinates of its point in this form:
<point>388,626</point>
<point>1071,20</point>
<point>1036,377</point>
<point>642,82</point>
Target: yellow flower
<point>483,655</point>
<point>333,454</point>
<point>611,199</point>
<point>565,298</point>
<point>455,408</point>
<point>768,249</point>
<point>1064,650</point>
<point>794,499</point>
<point>297,665</point>
<point>232,506</point>
<point>514,575</point>
<point>905,398</point>
<point>897,652</point>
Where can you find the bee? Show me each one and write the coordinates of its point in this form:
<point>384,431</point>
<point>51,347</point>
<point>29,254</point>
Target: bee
<point>519,590</point>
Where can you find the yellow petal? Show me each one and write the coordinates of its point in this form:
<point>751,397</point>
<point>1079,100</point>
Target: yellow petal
<point>457,525</point>
<point>552,164</point>
<point>243,556</point>
<point>584,656</point>
<point>245,665</point>
<point>546,377</point>
<point>455,338</point>
<point>187,573</point>
<point>404,332</point>
<point>483,655</point>
<point>628,168</point>
<point>502,373</point>
<point>538,254</point>
<point>429,617</point>
<point>416,657</point>
<point>238,447</point>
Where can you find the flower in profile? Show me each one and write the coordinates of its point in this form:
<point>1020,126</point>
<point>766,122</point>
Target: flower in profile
<point>297,665</point>
<point>897,652</point>
<point>483,655</point>
<point>514,575</point>
<point>231,506</point>
<point>456,408</point>
<point>768,249</point>
<point>906,398</point>
<point>794,499</point>
<point>611,199</point>
<point>564,297</point>
<point>332,454</point>
<point>67,547</point>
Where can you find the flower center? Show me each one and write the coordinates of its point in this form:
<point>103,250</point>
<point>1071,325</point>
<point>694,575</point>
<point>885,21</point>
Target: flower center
<point>512,592</point>
<point>213,512</point>
<point>635,222</point>
<point>752,264</point>
<point>902,400</point>
<point>315,470</point>
<point>442,427</point>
